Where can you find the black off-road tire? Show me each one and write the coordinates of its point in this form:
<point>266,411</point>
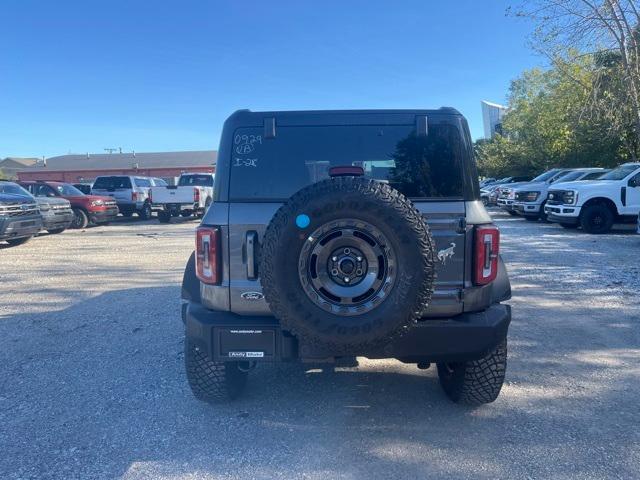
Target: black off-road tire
<point>475,382</point>
<point>590,215</point>
<point>212,382</point>
<point>14,242</point>
<point>80,219</point>
<point>164,216</point>
<point>362,200</point>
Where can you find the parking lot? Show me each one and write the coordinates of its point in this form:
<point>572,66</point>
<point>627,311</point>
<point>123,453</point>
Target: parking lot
<point>92,382</point>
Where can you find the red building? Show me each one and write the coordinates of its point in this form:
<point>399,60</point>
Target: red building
<point>85,168</point>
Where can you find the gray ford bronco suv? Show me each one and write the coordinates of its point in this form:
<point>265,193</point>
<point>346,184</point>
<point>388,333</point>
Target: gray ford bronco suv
<point>336,234</point>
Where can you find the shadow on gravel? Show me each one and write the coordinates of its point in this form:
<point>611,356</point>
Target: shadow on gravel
<point>98,391</point>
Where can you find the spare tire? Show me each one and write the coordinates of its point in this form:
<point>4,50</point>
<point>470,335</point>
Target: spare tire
<point>347,264</point>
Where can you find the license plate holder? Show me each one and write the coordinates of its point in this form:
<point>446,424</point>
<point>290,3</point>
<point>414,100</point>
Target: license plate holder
<point>246,343</point>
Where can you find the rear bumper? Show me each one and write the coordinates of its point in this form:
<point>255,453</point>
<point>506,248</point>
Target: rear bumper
<point>177,207</point>
<point>225,336</point>
<point>20,227</point>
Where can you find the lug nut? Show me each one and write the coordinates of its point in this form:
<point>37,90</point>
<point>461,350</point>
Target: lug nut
<point>334,272</point>
<point>359,272</point>
<point>347,251</point>
<point>359,259</point>
<point>335,259</point>
<point>346,279</point>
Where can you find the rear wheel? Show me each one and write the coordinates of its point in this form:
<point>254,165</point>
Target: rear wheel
<point>207,204</point>
<point>80,219</point>
<point>475,382</point>
<point>145,212</point>
<point>596,219</point>
<point>210,381</point>
<point>18,241</point>
<point>164,216</point>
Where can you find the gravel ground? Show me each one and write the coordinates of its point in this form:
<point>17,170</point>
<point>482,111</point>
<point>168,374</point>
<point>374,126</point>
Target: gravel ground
<point>92,383</point>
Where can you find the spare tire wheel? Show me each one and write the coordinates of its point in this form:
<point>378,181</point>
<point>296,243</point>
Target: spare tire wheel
<point>347,263</point>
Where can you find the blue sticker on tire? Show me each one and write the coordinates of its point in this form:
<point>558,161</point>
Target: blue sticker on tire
<point>303,221</point>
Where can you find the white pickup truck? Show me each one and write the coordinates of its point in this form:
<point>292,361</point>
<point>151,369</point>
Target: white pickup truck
<point>597,205</point>
<point>191,196</point>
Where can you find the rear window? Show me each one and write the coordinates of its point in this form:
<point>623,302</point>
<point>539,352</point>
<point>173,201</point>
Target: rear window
<point>419,167</point>
<point>143,182</point>
<point>106,183</point>
<point>196,181</point>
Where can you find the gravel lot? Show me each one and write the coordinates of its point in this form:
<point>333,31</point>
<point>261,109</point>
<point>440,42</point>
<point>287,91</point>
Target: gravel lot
<point>92,383</point>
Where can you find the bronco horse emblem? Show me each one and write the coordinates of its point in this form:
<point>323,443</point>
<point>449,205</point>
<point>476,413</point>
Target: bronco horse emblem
<point>446,253</point>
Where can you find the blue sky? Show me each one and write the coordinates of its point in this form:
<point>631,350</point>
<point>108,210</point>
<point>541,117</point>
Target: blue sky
<point>156,76</point>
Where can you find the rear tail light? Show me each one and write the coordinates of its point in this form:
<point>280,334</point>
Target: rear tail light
<point>208,255</point>
<point>134,196</point>
<point>196,195</point>
<point>487,249</point>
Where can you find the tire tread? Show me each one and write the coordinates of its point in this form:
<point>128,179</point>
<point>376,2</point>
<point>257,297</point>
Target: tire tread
<point>369,188</point>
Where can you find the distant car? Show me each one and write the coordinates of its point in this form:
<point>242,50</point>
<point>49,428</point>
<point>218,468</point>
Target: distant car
<point>507,195</point>
<point>192,196</point>
<point>56,212</point>
<point>86,208</point>
<point>596,205</point>
<point>506,180</point>
<point>486,195</point>
<point>20,216</point>
<point>487,181</point>
<point>131,192</point>
<point>83,187</point>
<point>531,198</point>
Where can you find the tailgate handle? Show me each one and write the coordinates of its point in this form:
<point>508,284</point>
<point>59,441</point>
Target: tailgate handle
<point>251,241</point>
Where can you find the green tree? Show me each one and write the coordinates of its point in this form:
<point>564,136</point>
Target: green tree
<point>607,32</point>
<point>548,124</point>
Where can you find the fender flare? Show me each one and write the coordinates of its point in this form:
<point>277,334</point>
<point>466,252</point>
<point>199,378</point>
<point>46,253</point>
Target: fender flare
<point>190,283</point>
<point>501,286</point>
